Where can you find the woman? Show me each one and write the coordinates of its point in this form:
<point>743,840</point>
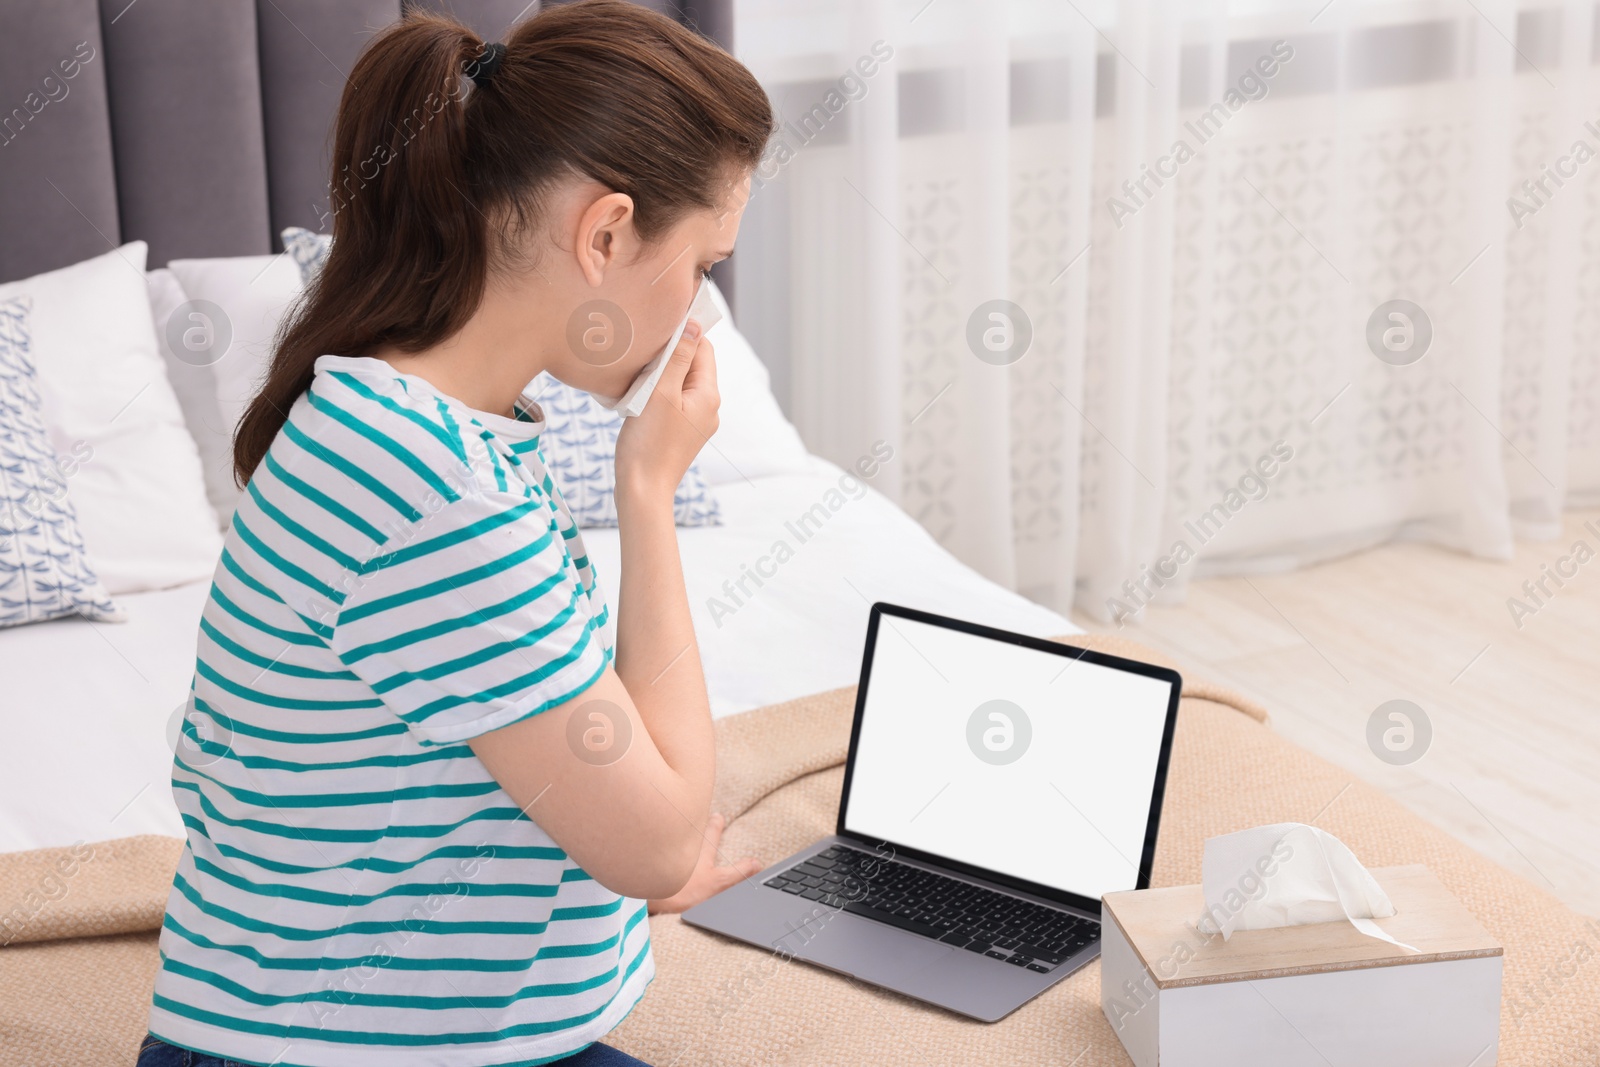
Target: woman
<point>425,803</point>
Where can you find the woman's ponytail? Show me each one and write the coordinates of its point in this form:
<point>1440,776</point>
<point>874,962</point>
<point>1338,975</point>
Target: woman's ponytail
<point>424,154</point>
<point>400,178</point>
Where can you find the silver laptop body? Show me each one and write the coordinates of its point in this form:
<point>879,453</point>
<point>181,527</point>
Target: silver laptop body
<point>996,786</point>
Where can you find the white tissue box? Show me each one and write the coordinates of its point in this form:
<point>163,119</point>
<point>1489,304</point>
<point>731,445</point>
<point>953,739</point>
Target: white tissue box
<point>1302,996</point>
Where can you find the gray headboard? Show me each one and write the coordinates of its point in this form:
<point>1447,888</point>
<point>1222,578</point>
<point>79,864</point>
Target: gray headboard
<point>200,126</point>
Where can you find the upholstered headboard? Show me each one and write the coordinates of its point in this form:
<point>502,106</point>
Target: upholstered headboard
<point>200,126</point>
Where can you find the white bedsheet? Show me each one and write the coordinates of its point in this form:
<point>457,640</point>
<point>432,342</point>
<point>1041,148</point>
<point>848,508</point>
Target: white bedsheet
<point>87,706</point>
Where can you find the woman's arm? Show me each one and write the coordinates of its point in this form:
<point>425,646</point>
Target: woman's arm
<point>657,658</point>
<point>636,815</point>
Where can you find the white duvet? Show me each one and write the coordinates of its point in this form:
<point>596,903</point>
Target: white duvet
<point>779,592</point>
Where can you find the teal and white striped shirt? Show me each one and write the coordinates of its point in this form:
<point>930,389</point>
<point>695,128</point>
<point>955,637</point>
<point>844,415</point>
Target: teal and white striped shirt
<point>401,576</point>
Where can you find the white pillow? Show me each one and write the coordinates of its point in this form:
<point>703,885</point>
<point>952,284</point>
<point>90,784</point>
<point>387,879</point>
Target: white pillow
<point>193,386</point>
<point>248,297</point>
<point>753,438</point>
<point>139,493</point>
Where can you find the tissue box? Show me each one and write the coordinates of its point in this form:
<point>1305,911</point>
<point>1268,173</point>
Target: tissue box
<point>1301,996</point>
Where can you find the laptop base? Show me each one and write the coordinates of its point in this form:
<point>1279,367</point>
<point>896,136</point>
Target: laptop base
<point>967,983</point>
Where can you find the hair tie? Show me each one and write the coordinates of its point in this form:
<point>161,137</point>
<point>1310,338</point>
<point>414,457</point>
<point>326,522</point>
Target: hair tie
<point>484,68</point>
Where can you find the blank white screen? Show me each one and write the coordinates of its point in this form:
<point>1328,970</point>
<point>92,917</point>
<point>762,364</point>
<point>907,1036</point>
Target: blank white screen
<point>1070,812</point>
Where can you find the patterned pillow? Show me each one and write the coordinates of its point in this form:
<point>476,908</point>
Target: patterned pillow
<point>580,438</point>
<point>580,448</point>
<point>44,571</point>
<point>308,250</point>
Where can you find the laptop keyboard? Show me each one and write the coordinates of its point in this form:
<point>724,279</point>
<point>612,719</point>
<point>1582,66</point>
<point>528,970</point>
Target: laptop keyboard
<point>968,916</point>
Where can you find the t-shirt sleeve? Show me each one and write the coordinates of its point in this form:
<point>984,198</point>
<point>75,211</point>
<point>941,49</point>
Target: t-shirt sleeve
<point>472,618</point>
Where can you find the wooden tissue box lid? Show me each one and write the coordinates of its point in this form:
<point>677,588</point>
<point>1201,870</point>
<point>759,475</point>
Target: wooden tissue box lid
<point>1158,924</point>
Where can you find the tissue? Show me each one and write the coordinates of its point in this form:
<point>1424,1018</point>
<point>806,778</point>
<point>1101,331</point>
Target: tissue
<point>1288,874</point>
<point>702,310</point>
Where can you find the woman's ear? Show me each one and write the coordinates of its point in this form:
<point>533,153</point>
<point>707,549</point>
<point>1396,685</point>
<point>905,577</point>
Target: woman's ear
<point>605,236</point>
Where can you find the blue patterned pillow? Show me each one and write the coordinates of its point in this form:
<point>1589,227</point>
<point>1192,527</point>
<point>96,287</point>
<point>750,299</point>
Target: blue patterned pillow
<point>579,446</point>
<point>44,571</point>
<point>580,438</point>
<point>308,250</point>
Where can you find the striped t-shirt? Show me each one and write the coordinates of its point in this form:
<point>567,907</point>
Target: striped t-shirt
<point>401,576</point>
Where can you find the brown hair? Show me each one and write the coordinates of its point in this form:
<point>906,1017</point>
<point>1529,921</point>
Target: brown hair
<point>423,159</point>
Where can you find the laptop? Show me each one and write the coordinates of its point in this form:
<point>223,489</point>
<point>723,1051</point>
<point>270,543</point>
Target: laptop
<point>996,786</point>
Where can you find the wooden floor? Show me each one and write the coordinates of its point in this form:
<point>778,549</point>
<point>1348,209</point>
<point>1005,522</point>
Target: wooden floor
<point>1513,767</point>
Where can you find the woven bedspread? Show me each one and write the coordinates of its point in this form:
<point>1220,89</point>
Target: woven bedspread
<point>78,925</point>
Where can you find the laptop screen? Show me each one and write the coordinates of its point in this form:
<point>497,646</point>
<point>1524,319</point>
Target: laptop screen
<point>1026,763</point>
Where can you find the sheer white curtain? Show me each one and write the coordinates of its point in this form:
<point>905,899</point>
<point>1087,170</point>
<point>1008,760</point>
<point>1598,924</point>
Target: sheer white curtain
<point>1293,279</point>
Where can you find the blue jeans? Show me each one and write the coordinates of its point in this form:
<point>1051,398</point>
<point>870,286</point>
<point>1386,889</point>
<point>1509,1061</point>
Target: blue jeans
<point>157,1053</point>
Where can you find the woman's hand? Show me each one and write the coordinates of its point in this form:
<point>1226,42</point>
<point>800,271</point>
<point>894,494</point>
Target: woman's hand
<point>656,446</point>
<point>708,879</point>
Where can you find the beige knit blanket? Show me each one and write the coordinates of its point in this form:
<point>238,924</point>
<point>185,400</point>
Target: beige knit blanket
<point>78,926</point>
